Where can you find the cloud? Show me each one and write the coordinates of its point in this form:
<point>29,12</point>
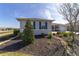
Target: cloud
<point>48,11</point>
<point>48,14</point>
<point>51,11</point>
<point>60,21</point>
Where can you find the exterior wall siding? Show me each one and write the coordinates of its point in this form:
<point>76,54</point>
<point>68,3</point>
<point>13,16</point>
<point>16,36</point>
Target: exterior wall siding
<point>46,31</point>
<point>37,31</point>
<point>22,25</point>
<point>59,27</point>
<point>62,28</point>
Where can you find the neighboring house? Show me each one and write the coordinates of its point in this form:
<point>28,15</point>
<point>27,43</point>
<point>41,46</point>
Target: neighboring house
<point>59,27</point>
<point>40,25</point>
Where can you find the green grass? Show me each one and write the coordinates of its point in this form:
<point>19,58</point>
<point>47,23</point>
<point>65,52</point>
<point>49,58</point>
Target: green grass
<point>6,33</point>
<point>14,54</point>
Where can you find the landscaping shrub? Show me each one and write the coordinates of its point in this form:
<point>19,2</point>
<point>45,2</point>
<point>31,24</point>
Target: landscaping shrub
<point>54,33</point>
<point>42,35</point>
<point>49,42</point>
<point>65,34</point>
<point>49,35</point>
<point>70,34</point>
<point>16,31</point>
<point>28,34</point>
<point>58,33</point>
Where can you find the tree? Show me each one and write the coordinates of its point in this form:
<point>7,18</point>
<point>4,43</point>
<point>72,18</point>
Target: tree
<point>70,12</point>
<point>28,34</point>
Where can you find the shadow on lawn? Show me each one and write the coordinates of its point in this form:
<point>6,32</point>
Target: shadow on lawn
<point>5,38</point>
<point>13,47</point>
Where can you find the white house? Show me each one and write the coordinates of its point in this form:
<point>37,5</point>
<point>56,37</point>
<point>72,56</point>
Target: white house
<point>40,25</point>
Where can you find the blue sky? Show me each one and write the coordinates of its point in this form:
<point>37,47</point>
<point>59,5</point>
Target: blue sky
<point>9,13</point>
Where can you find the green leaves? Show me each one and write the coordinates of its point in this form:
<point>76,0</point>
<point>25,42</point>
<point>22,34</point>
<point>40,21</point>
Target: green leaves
<point>28,34</point>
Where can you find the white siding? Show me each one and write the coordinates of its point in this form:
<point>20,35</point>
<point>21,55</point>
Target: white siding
<point>22,24</point>
<point>62,28</point>
<point>49,25</point>
<point>37,31</point>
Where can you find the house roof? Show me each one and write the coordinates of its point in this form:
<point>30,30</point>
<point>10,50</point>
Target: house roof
<point>58,24</point>
<point>33,19</point>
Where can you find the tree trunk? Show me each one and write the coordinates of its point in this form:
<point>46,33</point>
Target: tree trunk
<point>72,37</point>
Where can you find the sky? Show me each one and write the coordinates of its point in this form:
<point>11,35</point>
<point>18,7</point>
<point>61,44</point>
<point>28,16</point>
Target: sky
<point>10,11</point>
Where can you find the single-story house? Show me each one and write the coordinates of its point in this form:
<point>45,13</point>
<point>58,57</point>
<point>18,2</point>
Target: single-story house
<point>40,25</point>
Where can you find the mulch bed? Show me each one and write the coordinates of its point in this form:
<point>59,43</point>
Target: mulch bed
<point>40,47</point>
<point>76,44</point>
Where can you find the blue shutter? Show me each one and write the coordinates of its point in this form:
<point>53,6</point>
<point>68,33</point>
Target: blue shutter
<point>34,25</point>
<point>39,25</point>
<point>46,25</point>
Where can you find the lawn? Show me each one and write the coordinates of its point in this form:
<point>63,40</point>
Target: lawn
<point>5,33</point>
<point>13,54</point>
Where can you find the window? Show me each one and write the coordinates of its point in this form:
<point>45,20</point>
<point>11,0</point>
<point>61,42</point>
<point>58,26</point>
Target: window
<point>43,26</point>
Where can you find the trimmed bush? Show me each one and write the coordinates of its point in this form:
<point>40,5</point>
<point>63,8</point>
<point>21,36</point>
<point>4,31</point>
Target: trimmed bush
<point>70,34</point>
<point>49,42</point>
<point>58,33</point>
<point>54,33</point>
<point>42,35</point>
<point>49,35</point>
<point>28,34</point>
<point>65,34</point>
<point>16,31</point>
